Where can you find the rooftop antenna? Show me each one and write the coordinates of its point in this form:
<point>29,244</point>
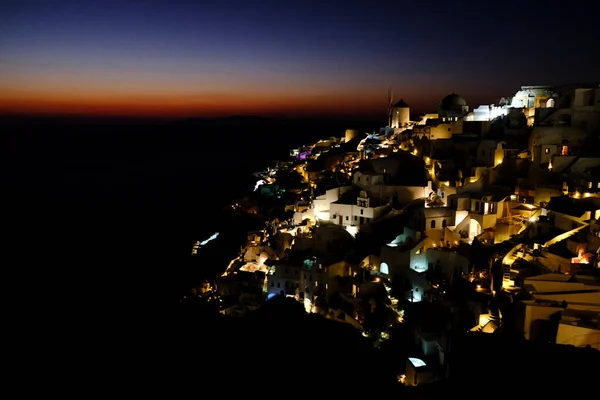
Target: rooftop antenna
<point>390,104</point>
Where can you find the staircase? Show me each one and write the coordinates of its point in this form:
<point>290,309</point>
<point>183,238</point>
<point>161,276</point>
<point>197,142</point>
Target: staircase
<point>505,274</point>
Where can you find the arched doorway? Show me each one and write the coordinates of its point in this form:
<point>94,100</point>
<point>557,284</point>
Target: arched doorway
<point>384,269</point>
<point>474,229</point>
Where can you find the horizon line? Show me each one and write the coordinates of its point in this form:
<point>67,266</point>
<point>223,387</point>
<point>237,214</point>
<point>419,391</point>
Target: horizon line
<point>180,118</point>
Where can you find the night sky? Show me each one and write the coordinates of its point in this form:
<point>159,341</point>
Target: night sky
<point>283,58</point>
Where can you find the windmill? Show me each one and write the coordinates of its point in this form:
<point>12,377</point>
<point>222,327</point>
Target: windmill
<point>390,105</point>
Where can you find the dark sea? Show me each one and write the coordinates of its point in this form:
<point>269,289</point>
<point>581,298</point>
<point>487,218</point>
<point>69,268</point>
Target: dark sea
<point>108,210</point>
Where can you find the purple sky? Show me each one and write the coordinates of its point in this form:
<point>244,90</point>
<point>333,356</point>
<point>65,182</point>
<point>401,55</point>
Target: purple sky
<point>207,58</point>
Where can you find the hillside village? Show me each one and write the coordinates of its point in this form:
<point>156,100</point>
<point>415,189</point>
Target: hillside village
<point>483,220</point>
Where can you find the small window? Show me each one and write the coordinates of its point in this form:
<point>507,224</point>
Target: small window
<point>547,151</point>
<point>433,224</point>
<point>362,212</point>
<point>347,218</point>
<point>444,223</point>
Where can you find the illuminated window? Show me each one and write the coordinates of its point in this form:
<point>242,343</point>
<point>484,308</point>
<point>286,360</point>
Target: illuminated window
<point>547,151</point>
<point>589,185</point>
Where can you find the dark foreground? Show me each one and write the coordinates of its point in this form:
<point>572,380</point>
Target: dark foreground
<point>99,232</point>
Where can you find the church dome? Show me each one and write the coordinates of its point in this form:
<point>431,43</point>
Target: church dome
<point>452,101</point>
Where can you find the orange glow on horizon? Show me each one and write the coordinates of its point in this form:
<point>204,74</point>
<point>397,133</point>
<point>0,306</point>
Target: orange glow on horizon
<point>184,105</point>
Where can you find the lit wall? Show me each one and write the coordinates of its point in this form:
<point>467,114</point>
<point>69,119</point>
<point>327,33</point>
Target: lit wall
<point>443,131</point>
<point>590,298</point>
<point>322,204</point>
<point>400,117</point>
<point>578,336</point>
<point>306,214</point>
<point>341,214</point>
<point>487,113</point>
<point>395,260</point>
<point>534,313</point>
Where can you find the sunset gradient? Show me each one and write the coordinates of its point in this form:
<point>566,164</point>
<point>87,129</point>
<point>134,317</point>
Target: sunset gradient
<point>297,58</point>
